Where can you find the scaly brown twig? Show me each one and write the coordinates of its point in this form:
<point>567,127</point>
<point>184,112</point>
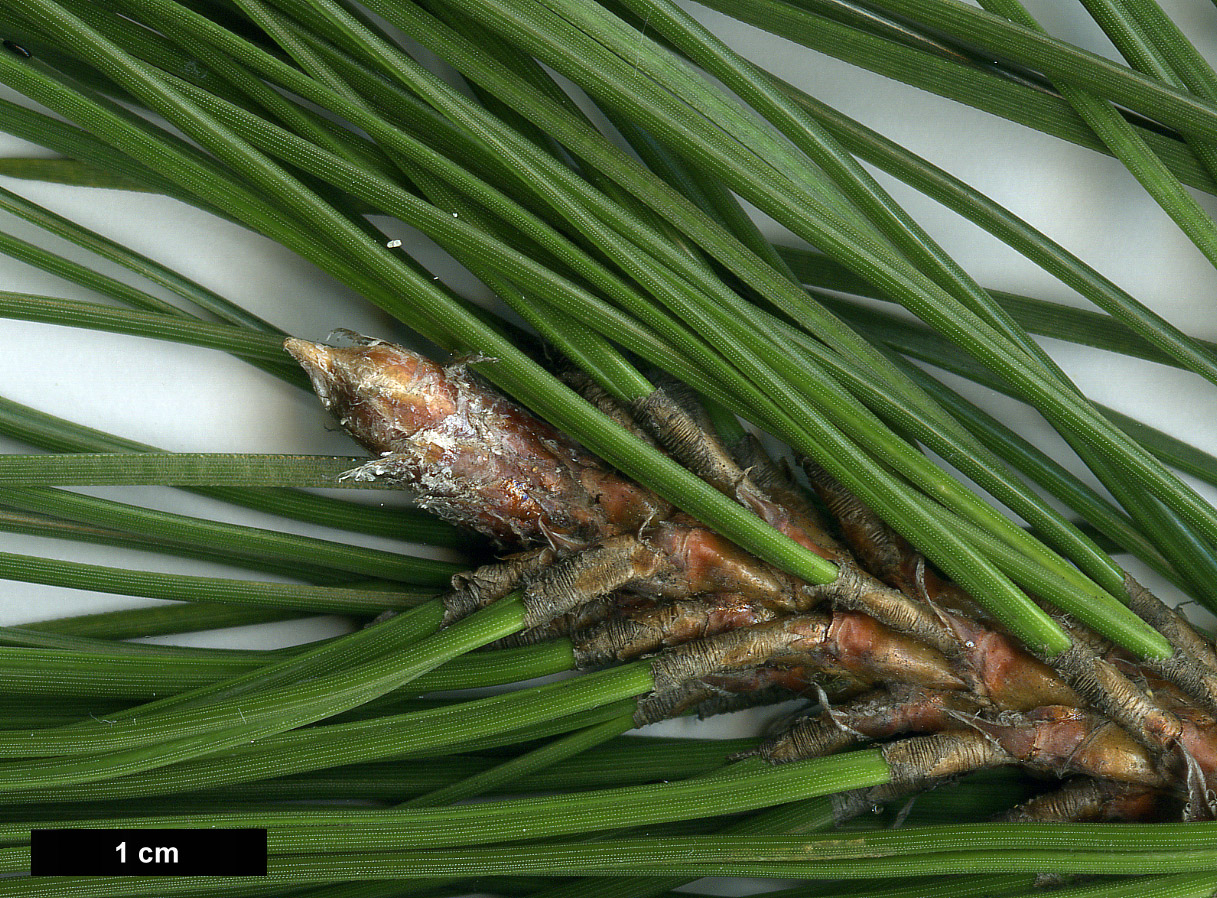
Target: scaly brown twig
<point>623,573</point>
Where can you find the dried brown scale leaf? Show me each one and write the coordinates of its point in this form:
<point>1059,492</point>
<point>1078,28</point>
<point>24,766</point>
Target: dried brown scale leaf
<point>725,693</point>
<point>843,643</point>
<point>1199,727</point>
<point>1192,677</point>
<point>775,480</point>
<point>855,590</point>
<point>1139,805</point>
<point>634,632</point>
<point>1104,687</point>
<point>847,806</point>
<point>678,421</point>
<point>689,439</point>
<point>884,553</point>
<point>669,703</point>
<point>1181,671</point>
<point>876,716</point>
<point>1054,741</point>
<point>795,681</point>
<point>1198,745</point>
<point>1171,624</point>
<point>740,696</point>
<point>585,618</point>
<point>873,542</point>
<point>1086,800</point>
<point>582,384</point>
<point>701,561</point>
<point>597,571</point>
<point>478,588</point>
<point>925,761</point>
<point>638,629</point>
<point>1193,666</point>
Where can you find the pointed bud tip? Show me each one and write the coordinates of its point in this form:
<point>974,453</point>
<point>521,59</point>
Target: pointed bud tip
<point>317,360</point>
<point>306,353</point>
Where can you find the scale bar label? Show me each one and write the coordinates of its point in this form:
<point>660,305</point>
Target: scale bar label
<point>148,852</point>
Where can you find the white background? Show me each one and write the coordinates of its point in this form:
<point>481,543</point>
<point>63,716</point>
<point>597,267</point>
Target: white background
<point>181,398</point>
